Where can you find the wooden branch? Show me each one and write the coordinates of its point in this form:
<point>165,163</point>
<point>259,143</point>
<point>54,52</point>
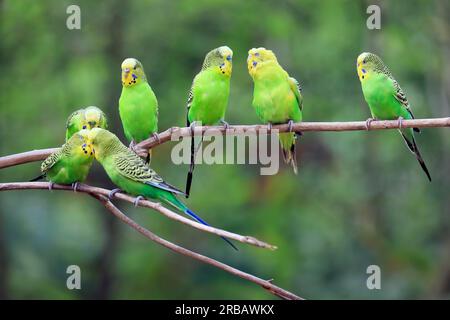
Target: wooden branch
<point>100,194</point>
<point>297,127</point>
<point>84,188</point>
<point>25,157</point>
<point>142,147</point>
<point>266,284</point>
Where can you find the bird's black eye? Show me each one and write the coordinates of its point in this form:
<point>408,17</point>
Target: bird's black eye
<point>84,127</point>
<point>135,67</point>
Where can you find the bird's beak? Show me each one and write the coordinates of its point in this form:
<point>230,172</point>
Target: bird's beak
<point>125,75</point>
<point>92,124</point>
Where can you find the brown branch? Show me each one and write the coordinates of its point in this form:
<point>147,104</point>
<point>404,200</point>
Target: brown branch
<point>297,127</point>
<point>25,157</point>
<point>266,284</point>
<point>100,194</point>
<point>142,203</point>
<point>176,132</point>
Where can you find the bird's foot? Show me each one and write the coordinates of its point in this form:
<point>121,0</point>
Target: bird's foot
<point>225,124</point>
<point>136,201</point>
<point>132,144</point>
<point>368,122</point>
<point>50,185</point>
<point>75,186</point>
<point>400,122</point>
<point>156,137</point>
<point>290,124</point>
<point>112,193</point>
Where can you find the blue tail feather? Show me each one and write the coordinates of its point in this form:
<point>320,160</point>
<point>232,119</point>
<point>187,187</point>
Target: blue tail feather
<point>200,220</point>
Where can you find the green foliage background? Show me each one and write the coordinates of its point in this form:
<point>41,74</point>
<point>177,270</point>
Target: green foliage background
<point>359,199</point>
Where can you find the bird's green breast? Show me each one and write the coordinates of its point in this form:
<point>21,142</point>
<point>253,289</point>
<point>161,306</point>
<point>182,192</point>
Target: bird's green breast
<point>70,169</point>
<point>132,187</point>
<point>210,97</point>
<point>273,98</point>
<point>138,110</point>
<point>379,93</point>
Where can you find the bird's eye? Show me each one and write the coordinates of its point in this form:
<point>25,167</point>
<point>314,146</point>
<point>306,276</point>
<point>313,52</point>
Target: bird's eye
<point>256,54</point>
<point>84,127</point>
<point>364,61</point>
<point>229,58</point>
<point>135,67</point>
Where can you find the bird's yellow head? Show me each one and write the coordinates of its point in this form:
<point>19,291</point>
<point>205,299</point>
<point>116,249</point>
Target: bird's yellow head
<point>221,59</point>
<point>132,72</point>
<point>257,57</point>
<point>367,63</point>
<point>103,142</point>
<point>81,143</point>
<point>94,118</point>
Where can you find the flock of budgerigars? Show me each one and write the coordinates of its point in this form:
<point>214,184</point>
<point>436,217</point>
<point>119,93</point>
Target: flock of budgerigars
<point>277,98</point>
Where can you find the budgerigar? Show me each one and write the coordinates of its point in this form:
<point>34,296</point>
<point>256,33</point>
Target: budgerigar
<point>277,97</point>
<point>138,106</point>
<point>88,118</point>
<point>208,97</point>
<point>132,175</point>
<point>71,163</point>
<point>386,99</point>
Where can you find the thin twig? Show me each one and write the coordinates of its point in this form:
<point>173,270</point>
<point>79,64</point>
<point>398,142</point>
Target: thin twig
<point>176,132</point>
<point>100,194</point>
<point>84,188</point>
<point>266,284</point>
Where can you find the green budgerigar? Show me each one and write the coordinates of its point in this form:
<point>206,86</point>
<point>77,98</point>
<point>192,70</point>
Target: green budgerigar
<point>132,175</point>
<point>208,97</point>
<point>71,163</point>
<point>138,106</point>
<point>88,118</point>
<point>386,99</point>
<point>277,97</point>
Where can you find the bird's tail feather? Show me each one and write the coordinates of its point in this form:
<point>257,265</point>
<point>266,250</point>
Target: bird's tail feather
<point>174,201</point>
<point>191,167</point>
<point>148,159</point>
<point>42,176</point>
<point>289,150</point>
<point>411,143</point>
<point>200,220</point>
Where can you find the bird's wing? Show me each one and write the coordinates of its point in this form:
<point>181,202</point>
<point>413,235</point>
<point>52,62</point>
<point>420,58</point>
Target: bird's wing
<point>400,96</point>
<point>297,89</point>
<point>189,103</point>
<point>134,168</point>
<point>51,160</point>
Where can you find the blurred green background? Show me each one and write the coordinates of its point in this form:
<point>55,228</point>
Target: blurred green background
<point>360,198</point>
